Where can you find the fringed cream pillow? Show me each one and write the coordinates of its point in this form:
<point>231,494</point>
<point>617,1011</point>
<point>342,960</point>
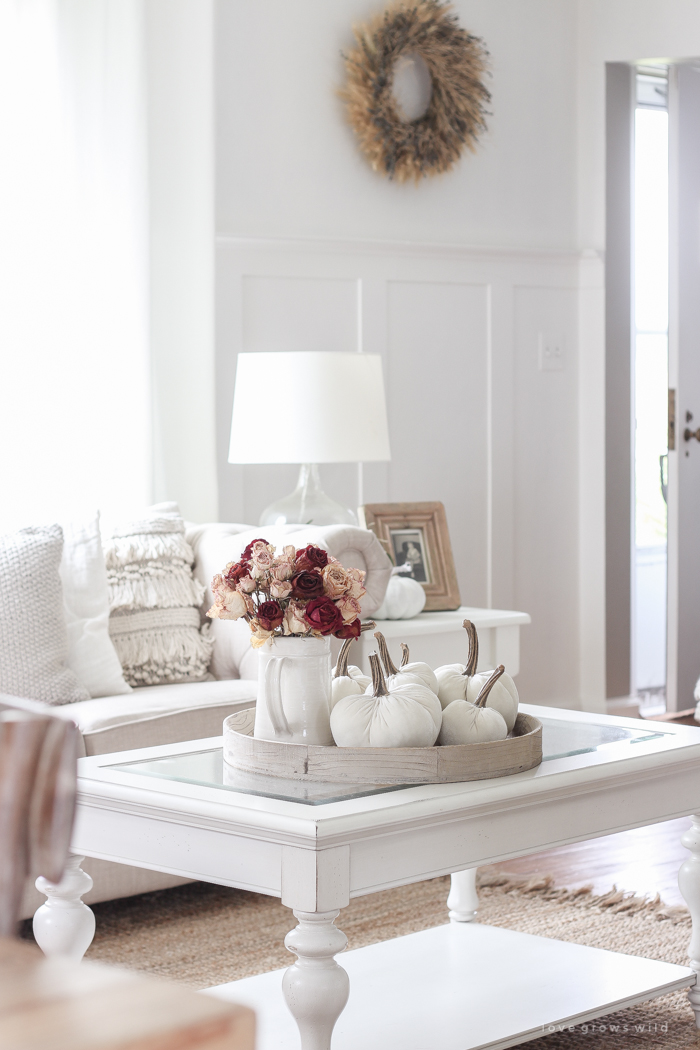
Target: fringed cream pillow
<point>154,601</point>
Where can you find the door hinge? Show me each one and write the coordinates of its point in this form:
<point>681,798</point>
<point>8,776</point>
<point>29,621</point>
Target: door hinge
<point>671,420</point>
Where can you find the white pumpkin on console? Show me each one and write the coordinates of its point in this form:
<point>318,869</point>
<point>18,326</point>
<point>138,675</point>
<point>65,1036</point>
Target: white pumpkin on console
<point>465,723</point>
<point>405,715</point>
<point>418,669</point>
<point>404,597</point>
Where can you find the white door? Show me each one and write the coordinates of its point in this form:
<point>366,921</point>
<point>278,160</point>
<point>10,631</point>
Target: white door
<point>683,655</point>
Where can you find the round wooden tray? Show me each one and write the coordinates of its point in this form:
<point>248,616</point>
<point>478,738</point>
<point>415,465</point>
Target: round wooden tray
<point>382,765</point>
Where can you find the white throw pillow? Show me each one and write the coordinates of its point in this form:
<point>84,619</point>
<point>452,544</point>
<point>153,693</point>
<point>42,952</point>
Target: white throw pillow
<point>32,622</point>
<point>91,654</point>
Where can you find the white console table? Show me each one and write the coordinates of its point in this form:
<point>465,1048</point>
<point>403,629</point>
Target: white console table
<point>439,638</point>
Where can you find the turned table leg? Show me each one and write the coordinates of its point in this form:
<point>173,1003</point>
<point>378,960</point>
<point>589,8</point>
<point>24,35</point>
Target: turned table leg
<point>64,925</point>
<point>689,885</point>
<point>315,987</point>
<point>463,900</point>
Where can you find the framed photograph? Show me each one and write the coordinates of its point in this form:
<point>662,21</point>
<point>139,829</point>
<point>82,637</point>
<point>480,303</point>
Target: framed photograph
<point>415,534</point>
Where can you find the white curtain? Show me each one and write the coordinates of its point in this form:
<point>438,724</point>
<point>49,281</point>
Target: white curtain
<point>74,365</point>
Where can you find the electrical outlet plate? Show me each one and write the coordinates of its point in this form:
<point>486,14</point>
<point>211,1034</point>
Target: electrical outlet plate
<point>551,352</point>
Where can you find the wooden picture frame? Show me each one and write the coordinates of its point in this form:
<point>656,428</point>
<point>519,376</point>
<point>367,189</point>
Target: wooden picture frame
<point>418,532</point>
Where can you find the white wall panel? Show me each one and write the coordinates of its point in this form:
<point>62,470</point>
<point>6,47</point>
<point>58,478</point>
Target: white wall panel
<point>546,495</point>
<point>473,420</point>
<point>438,413</point>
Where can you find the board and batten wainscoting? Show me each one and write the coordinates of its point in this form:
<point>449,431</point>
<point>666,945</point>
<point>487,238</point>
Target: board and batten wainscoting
<point>493,360</point>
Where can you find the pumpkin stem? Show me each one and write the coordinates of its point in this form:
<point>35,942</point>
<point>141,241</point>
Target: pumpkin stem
<point>486,689</point>
<point>405,657</point>
<point>378,680</point>
<point>368,626</point>
<point>473,658</point>
<point>341,668</point>
<point>389,665</point>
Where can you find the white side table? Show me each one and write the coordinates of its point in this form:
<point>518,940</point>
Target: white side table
<point>439,638</point>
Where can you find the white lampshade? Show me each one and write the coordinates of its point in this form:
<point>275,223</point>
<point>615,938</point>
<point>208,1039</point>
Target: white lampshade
<point>309,407</point>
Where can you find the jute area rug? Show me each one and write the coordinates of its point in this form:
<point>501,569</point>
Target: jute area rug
<point>207,935</point>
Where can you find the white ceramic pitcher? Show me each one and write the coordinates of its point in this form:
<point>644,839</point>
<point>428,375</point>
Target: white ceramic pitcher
<point>294,691</point>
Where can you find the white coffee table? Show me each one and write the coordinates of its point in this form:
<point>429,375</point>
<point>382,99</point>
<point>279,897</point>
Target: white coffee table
<point>455,987</point>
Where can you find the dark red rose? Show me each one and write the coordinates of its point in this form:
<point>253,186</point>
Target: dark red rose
<point>311,557</point>
<point>245,556</point>
<point>307,584</point>
<point>269,615</point>
<point>235,572</point>
<point>350,630</point>
<point>323,615</point>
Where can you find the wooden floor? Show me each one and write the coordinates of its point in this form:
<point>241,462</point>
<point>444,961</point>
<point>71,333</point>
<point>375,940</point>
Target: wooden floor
<point>645,860</point>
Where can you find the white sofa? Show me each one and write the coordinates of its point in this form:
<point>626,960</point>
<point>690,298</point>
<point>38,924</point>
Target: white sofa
<point>168,714</point>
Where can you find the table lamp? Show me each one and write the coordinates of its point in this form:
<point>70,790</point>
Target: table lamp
<point>308,407</point>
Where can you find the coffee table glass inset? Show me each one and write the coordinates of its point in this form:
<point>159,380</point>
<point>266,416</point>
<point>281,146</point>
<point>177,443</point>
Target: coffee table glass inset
<point>559,740</point>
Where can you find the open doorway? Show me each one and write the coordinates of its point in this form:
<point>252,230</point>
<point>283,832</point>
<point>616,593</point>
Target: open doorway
<point>649,371</point>
<point>652,437</point>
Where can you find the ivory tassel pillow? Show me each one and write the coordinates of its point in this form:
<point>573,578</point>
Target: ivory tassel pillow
<point>154,601</point>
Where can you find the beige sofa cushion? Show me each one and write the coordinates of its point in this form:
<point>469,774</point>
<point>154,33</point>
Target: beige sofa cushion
<point>160,714</point>
<point>215,545</point>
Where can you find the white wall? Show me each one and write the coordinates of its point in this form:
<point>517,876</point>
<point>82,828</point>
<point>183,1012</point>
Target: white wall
<point>180,99</point>
<point>288,165</point>
<point>453,282</point>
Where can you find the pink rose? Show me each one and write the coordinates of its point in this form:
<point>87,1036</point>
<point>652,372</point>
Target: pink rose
<point>283,568</point>
<point>228,604</point>
<point>248,552</point>
<point>259,635</point>
<point>357,577</point>
<point>336,581</point>
<point>294,622</point>
<point>349,608</point>
<point>262,557</point>
<point>280,588</point>
<point>247,584</point>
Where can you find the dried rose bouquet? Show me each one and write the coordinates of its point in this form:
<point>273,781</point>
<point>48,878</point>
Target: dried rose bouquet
<point>303,592</point>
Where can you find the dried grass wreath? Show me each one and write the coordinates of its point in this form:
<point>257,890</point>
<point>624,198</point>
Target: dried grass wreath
<point>456,115</point>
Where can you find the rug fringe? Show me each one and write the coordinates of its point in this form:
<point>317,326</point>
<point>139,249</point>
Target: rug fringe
<point>614,901</point>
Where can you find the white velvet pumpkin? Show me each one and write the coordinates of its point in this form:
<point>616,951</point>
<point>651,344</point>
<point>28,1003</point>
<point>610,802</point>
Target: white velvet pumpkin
<point>418,670</point>
<point>404,598</point>
<point>465,723</point>
<point>405,715</point>
<point>463,682</point>
<point>502,698</point>
<point>453,679</point>
<point>347,679</point>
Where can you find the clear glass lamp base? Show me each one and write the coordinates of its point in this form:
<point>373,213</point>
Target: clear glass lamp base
<point>308,504</point>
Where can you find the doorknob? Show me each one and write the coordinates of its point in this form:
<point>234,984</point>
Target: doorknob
<point>688,434</point>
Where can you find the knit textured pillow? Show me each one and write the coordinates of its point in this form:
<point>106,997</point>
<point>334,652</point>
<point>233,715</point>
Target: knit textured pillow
<point>33,641</point>
<point>154,602</point>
